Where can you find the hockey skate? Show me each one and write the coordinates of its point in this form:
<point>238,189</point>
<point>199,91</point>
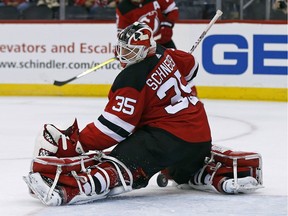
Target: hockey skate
<point>243,185</point>
<point>42,190</point>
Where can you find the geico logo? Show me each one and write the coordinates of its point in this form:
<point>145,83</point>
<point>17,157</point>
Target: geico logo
<point>232,54</point>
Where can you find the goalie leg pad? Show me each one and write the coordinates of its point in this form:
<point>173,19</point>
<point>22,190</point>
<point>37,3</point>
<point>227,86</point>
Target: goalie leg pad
<point>230,172</point>
<point>42,190</point>
<point>106,177</point>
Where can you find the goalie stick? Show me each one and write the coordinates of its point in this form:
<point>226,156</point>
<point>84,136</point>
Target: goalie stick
<point>214,19</point>
<point>61,83</point>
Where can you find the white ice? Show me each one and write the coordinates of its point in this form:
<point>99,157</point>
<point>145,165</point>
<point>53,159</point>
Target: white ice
<point>240,125</point>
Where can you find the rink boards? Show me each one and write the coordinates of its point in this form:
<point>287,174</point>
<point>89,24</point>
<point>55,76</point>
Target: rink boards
<point>237,60</point>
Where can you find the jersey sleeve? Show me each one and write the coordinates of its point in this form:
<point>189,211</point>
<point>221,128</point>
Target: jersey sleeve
<point>187,62</point>
<point>119,118</point>
<point>170,10</point>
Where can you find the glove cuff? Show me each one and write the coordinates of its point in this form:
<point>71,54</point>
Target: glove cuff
<point>167,24</point>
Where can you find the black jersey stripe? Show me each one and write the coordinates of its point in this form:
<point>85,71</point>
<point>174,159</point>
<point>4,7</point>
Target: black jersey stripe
<point>115,128</point>
<point>194,73</point>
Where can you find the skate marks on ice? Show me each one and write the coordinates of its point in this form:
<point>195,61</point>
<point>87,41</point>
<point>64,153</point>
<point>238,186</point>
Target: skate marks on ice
<point>244,128</point>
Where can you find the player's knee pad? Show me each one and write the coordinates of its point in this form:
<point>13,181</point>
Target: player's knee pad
<point>76,180</point>
<point>230,172</point>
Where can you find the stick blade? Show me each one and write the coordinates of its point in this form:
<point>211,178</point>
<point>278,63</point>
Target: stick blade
<point>58,83</point>
<point>61,83</point>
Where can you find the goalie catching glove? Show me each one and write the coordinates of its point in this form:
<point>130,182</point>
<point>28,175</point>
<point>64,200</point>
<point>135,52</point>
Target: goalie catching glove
<point>60,143</point>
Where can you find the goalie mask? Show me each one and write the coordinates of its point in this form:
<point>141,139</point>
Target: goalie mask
<point>135,43</point>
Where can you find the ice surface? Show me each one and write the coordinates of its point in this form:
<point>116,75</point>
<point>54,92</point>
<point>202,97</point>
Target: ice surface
<point>240,125</point>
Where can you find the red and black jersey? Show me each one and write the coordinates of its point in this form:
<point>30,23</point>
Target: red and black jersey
<point>152,12</point>
<point>155,92</point>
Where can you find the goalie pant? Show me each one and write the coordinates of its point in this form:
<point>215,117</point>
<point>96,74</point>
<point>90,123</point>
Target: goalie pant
<point>77,180</point>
